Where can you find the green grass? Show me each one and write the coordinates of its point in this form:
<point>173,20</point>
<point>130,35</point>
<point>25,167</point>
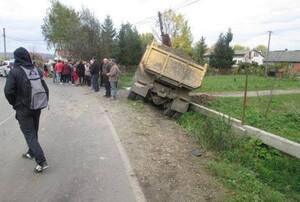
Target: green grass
<point>237,83</point>
<point>247,167</point>
<point>283,117</point>
<point>125,79</point>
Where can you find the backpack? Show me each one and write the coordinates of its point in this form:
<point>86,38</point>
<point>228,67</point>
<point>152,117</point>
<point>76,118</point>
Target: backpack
<point>35,89</point>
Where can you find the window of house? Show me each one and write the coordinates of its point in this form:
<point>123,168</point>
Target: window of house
<point>290,65</point>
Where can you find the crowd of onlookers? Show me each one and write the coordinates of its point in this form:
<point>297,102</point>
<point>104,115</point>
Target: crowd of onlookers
<point>93,74</point>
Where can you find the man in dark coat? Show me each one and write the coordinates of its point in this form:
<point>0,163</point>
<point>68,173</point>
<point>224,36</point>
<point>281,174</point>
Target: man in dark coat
<point>18,96</point>
<point>95,69</point>
<point>81,71</point>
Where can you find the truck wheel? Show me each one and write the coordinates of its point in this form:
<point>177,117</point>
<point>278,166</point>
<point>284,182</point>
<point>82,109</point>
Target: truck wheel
<point>176,115</point>
<point>169,112</point>
<point>132,95</point>
<point>139,97</point>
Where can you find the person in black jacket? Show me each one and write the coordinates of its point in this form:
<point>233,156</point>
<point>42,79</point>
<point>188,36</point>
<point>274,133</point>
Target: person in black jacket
<point>20,99</point>
<point>81,71</point>
<point>95,69</point>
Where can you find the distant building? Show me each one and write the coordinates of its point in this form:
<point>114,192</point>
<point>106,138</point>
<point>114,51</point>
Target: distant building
<point>62,55</point>
<point>291,58</point>
<point>252,56</point>
<point>249,56</point>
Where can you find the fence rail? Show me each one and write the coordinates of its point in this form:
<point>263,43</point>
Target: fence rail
<point>287,146</point>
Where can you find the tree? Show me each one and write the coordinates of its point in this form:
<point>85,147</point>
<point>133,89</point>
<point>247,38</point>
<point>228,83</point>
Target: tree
<point>146,38</point>
<point>238,47</point>
<point>222,56</point>
<point>37,58</point>
<point>263,49</point>
<point>178,29</point>
<point>130,47</point>
<point>75,32</point>
<point>108,34</point>
<point>60,25</point>
<point>199,51</point>
<point>89,43</point>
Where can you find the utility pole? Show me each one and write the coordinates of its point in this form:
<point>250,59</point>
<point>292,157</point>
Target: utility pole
<point>165,37</point>
<point>269,41</point>
<point>161,25</point>
<point>4,40</point>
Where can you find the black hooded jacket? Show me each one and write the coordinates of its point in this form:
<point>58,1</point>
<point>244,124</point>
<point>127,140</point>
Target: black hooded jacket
<point>13,90</point>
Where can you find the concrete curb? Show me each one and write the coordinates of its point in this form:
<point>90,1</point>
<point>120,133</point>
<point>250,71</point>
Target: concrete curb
<point>275,141</point>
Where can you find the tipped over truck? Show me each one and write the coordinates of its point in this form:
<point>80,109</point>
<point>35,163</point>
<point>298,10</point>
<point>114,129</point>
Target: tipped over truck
<point>166,77</point>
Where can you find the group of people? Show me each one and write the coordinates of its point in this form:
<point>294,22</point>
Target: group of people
<point>93,74</point>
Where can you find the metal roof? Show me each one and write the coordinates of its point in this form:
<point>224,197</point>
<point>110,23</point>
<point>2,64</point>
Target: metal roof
<point>283,56</point>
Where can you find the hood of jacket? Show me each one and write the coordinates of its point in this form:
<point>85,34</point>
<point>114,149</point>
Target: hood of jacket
<point>22,58</point>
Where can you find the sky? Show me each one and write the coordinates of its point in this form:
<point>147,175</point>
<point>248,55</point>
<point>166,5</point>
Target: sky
<point>249,20</point>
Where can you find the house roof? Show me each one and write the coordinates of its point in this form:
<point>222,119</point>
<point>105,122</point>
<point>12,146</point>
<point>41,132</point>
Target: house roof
<point>240,52</point>
<point>283,56</point>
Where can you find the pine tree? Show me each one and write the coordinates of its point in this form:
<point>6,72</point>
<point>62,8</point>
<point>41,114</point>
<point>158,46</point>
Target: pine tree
<point>108,34</point>
<point>199,51</point>
<point>130,47</point>
<point>222,57</point>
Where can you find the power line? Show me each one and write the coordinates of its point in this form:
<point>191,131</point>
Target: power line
<point>27,41</point>
<point>186,3</point>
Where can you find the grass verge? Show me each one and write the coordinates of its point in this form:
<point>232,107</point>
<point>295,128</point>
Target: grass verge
<point>237,82</point>
<point>252,170</point>
<point>126,79</point>
<point>282,118</point>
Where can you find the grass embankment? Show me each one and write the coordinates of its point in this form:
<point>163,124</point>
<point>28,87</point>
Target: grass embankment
<point>126,79</point>
<point>247,167</point>
<point>228,83</point>
<point>279,114</point>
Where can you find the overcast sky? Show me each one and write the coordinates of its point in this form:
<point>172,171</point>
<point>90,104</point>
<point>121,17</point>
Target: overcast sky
<point>249,19</point>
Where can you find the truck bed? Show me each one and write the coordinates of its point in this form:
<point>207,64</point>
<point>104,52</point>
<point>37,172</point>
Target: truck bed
<point>169,65</point>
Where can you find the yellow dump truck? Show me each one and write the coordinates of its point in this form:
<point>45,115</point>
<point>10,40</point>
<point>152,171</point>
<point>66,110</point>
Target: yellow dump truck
<point>166,77</point>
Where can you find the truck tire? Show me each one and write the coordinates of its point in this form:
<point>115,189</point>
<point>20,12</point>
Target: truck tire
<point>176,115</point>
<point>169,112</point>
<point>132,95</point>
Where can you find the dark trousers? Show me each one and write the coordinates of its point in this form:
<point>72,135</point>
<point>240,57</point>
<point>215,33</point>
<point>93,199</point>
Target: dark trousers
<point>101,80</point>
<point>107,86</point>
<point>87,80</point>
<point>66,78</point>
<point>95,82</point>
<point>29,124</point>
<point>81,79</point>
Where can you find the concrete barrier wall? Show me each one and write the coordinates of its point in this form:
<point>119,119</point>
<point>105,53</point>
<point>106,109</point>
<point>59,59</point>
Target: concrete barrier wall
<point>275,141</point>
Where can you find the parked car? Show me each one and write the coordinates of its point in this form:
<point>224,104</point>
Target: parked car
<point>5,67</point>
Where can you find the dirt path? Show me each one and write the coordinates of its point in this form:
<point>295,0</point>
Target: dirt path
<point>250,93</point>
<point>160,153</point>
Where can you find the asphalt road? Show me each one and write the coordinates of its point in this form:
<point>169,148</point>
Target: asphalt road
<point>86,160</point>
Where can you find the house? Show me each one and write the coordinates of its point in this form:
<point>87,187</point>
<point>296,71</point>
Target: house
<point>249,56</point>
<point>62,55</point>
<point>291,58</point>
<point>252,56</point>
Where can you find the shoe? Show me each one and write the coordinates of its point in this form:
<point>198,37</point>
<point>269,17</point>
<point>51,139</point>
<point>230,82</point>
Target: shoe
<point>40,168</point>
<point>27,156</point>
